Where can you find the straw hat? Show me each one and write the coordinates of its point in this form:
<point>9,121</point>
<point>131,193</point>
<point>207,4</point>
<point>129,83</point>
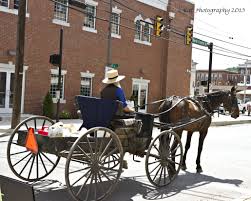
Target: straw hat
<point>113,76</point>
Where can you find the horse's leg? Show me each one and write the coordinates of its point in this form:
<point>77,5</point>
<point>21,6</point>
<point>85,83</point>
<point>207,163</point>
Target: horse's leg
<point>188,143</point>
<point>173,151</point>
<point>203,134</point>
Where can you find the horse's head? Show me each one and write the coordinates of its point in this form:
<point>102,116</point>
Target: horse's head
<point>230,103</point>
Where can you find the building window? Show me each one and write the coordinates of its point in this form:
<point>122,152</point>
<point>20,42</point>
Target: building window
<point>146,32</point>
<point>4,3</point>
<point>54,86</point>
<point>61,10</point>
<point>138,30</point>
<point>89,20</point>
<point>86,83</point>
<point>86,86</point>
<point>115,23</point>
<point>143,29</point>
<point>16,4</point>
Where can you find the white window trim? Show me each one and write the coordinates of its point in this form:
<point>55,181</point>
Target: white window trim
<point>142,42</point>
<point>87,74</point>
<point>89,29</point>
<point>150,22</point>
<point>140,81</point>
<point>91,3</point>
<point>13,11</point>
<point>63,73</point>
<point>116,10</point>
<point>10,67</point>
<point>139,17</point>
<point>61,22</point>
<point>92,30</point>
<point>116,36</point>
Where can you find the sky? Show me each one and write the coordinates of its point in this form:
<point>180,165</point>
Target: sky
<point>229,21</point>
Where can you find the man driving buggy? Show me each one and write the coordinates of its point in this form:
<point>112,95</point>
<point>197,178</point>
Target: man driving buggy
<point>113,90</point>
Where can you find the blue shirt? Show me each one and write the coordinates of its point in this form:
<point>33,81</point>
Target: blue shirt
<point>120,95</point>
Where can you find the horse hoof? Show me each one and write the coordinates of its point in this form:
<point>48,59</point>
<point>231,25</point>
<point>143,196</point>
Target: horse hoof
<point>199,170</point>
<point>183,167</point>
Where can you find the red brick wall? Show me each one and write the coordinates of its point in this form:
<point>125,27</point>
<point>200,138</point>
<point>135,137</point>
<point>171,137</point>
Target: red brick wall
<point>179,57</point>
<point>84,51</point>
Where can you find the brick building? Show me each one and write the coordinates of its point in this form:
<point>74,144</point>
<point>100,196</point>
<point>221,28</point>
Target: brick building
<point>154,67</point>
<point>220,79</point>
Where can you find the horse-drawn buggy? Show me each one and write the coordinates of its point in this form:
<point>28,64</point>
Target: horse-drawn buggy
<point>94,157</point>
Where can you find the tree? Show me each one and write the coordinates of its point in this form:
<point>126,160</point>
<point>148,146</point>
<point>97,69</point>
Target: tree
<point>48,106</point>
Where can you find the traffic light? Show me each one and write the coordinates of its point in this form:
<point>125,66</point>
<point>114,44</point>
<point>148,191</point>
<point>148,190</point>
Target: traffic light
<point>189,35</point>
<point>55,59</point>
<point>158,25</point>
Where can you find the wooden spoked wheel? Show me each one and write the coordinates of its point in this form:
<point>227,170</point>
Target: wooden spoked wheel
<point>164,158</point>
<point>26,164</point>
<point>94,165</point>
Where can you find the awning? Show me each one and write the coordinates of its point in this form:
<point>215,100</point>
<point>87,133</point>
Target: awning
<point>248,92</point>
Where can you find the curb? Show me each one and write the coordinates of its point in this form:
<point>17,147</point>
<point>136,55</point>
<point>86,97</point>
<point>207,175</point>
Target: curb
<point>226,123</point>
<point>243,199</point>
<point>5,132</point>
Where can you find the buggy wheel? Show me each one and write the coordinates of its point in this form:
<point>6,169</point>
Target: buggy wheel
<point>92,170</point>
<point>26,164</point>
<point>112,161</point>
<point>164,158</point>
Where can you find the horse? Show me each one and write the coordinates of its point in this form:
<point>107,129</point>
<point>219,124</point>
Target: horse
<point>176,110</point>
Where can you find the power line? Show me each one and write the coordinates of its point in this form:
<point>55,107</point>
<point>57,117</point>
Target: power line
<point>223,40</point>
<point>230,51</point>
<point>220,54</point>
<point>131,9</point>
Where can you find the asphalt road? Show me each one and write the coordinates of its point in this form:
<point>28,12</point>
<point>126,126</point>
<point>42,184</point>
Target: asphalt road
<point>225,161</point>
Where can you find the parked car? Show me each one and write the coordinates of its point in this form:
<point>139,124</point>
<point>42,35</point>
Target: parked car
<point>243,107</point>
<point>248,107</point>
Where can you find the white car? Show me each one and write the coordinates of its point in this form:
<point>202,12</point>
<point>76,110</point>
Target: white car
<point>243,107</point>
<point>248,107</point>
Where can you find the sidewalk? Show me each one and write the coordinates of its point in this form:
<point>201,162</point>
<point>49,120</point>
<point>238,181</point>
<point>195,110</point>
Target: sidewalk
<point>222,120</point>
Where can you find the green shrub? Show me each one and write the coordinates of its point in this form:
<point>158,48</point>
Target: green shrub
<point>65,115</point>
<point>48,106</point>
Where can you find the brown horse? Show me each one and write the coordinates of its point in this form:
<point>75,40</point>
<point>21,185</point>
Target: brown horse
<point>175,111</point>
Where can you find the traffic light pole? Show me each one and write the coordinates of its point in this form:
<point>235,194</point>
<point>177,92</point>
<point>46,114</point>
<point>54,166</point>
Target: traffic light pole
<point>19,64</point>
<point>210,47</point>
<point>109,43</point>
<point>59,73</point>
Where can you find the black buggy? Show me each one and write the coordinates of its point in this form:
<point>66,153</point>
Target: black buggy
<point>95,157</point>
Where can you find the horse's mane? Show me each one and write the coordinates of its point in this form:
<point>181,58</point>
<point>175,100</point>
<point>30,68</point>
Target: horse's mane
<point>211,101</point>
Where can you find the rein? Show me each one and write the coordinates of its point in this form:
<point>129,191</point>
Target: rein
<point>185,98</point>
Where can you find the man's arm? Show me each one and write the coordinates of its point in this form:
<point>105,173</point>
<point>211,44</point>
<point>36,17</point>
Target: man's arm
<point>121,97</point>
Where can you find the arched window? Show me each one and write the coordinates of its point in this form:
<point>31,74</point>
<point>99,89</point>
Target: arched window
<point>146,32</point>
<point>138,30</point>
<point>143,29</point>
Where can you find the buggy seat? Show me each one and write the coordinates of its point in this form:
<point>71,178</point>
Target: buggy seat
<point>96,111</point>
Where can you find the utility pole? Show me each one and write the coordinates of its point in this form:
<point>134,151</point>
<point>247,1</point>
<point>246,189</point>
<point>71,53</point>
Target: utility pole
<point>109,43</point>
<point>19,64</point>
<point>245,82</point>
<point>210,47</point>
<point>59,73</point>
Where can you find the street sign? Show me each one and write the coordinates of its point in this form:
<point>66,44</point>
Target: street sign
<point>114,66</point>
<point>199,42</point>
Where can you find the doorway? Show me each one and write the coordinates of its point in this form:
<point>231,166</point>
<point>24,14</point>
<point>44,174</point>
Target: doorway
<point>6,91</point>
<point>140,93</point>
